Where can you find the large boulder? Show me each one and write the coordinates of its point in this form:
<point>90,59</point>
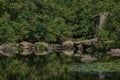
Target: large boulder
<point>8,49</point>
<point>26,48</point>
<point>42,48</point>
<point>68,44</point>
<point>114,52</point>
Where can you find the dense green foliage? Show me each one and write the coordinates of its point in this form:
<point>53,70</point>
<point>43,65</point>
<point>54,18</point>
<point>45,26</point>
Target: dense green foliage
<point>56,20</point>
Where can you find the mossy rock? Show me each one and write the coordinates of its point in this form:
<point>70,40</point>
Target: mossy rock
<point>42,48</point>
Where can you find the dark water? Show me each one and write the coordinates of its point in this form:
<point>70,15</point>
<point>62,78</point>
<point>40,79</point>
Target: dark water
<point>53,66</point>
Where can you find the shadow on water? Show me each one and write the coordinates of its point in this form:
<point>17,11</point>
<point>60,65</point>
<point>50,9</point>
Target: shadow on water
<point>48,67</point>
<point>95,76</point>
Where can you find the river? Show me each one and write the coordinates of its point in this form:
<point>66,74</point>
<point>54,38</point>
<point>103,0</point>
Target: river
<point>56,66</point>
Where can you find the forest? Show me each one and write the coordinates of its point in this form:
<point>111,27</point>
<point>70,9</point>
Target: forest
<point>54,22</point>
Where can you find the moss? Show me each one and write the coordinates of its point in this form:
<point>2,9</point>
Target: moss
<point>41,48</point>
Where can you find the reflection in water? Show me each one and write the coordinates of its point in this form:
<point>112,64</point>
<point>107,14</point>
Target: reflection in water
<point>112,76</point>
<point>40,48</point>
<point>53,66</point>
<point>7,50</point>
<point>48,63</point>
<point>68,52</point>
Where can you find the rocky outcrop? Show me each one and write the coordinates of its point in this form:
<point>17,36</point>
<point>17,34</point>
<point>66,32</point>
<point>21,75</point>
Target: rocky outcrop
<point>8,49</point>
<point>68,48</point>
<point>114,52</point>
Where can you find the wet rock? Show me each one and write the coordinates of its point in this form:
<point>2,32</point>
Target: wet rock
<point>26,48</point>
<point>8,49</point>
<point>114,52</point>
<point>42,48</point>
<point>88,58</point>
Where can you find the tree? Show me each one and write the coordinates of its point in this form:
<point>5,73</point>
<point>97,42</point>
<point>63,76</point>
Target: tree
<point>6,32</point>
<point>59,29</point>
<point>112,24</point>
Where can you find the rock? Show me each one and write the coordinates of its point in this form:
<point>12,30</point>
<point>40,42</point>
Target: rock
<point>100,19</point>
<point>77,55</point>
<point>114,52</point>
<point>42,48</point>
<point>90,41</point>
<point>68,52</point>
<point>88,58</point>
<point>69,44</point>
<point>8,49</point>
<point>103,17</point>
<point>78,48</point>
<point>58,47</point>
<point>26,48</point>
